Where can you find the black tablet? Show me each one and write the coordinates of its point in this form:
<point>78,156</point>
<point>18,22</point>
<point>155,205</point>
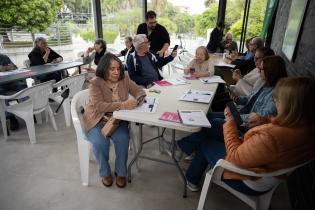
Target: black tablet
<point>236,115</point>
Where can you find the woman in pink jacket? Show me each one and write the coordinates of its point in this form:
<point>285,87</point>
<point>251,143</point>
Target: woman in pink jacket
<point>284,141</point>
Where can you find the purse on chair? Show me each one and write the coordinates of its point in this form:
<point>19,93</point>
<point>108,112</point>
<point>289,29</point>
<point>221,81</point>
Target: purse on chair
<point>111,124</point>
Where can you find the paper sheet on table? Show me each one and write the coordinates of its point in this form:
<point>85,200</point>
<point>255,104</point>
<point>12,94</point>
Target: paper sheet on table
<point>177,81</point>
<point>199,96</point>
<point>210,80</point>
<point>225,65</point>
<point>194,118</point>
<point>12,72</point>
<point>149,106</point>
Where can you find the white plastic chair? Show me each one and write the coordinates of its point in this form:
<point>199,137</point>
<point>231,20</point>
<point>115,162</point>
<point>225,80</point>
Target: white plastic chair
<point>74,84</point>
<point>84,146</point>
<point>261,202</point>
<point>178,65</point>
<point>33,100</point>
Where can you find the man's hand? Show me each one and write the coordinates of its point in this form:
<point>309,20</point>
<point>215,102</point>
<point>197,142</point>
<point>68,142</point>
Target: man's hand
<point>236,75</point>
<point>129,104</point>
<point>174,54</point>
<point>47,51</point>
<point>160,53</point>
<point>254,120</point>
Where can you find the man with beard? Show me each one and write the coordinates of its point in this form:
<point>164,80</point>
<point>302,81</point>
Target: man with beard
<point>156,33</point>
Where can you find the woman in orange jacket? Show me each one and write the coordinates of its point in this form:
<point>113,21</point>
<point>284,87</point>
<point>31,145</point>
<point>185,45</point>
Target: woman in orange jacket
<point>285,141</point>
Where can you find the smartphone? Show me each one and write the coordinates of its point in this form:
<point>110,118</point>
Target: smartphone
<point>236,115</point>
<point>141,98</point>
<point>174,49</point>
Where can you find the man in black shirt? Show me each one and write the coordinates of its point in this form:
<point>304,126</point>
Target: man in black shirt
<point>156,33</point>
<point>42,54</point>
<point>216,38</point>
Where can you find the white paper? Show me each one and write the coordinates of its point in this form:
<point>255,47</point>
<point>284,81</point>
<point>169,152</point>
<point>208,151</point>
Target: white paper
<point>177,81</point>
<point>16,71</point>
<point>199,96</point>
<point>194,118</point>
<point>149,106</point>
<point>225,64</point>
<point>210,80</point>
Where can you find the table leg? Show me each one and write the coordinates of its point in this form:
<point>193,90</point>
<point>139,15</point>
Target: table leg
<point>177,165</point>
<point>3,121</point>
<point>137,154</point>
<point>79,69</point>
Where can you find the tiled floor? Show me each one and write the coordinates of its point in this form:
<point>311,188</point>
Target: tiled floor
<point>46,176</point>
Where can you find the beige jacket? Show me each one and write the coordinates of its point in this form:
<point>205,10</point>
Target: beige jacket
<point>100,99</point>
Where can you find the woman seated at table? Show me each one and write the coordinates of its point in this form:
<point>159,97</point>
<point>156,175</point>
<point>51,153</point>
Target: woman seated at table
<point>257,108</point>
<point>95,52</point>
<point>284,141</point>
<point>109,91</point>
<point>42,54</point>
<point>200,66</point>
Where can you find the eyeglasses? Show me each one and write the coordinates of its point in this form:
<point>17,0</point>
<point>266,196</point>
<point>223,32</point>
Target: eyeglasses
<point>257,58</point>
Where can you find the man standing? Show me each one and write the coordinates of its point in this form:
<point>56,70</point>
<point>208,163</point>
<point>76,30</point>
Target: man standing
<point>215,38</point>
<point>156,33</point>
<point>143,66</point>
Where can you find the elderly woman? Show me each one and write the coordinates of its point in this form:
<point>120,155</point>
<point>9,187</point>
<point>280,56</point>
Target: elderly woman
<point>256,108</point>
<point>200,66</point>
<point>109,91</point>
<point>284,141</point>
<point>228,43</point>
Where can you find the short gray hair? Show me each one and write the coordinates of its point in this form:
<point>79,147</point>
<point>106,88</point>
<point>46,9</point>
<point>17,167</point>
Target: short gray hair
<point>138,40</point>
<point>259,42</point>
<point>39,39</point>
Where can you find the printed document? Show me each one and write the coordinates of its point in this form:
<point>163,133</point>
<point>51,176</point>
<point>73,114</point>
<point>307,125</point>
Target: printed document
<point>199,96</point>
<point>194,118</point>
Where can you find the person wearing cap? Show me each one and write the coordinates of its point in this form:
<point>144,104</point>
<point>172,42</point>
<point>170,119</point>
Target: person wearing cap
<point>216,38</point>
<point>157,34</point>
<point>143,66</point>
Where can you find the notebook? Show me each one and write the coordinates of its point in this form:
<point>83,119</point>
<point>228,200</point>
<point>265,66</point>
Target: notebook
<point>194,118</point>
<point>170,116</point>
<point>199,96</point>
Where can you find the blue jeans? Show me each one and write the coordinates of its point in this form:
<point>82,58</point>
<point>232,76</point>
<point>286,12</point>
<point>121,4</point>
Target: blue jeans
<point>101,145</point>
<point>208,145</point>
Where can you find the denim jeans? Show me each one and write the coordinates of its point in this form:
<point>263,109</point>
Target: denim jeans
<point>101,145</point>
<point>208,145</point>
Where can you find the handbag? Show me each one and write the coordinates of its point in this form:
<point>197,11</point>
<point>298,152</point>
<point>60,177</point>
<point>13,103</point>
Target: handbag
<point>111,124</point>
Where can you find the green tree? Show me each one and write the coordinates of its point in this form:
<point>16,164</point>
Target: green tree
<point>184,22</point>
<point>32,15</point>
<point>206,20</point>
<point>168,24</point>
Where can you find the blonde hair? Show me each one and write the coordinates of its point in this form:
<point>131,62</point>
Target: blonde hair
<point>296,102</point>
<point>205,51</point>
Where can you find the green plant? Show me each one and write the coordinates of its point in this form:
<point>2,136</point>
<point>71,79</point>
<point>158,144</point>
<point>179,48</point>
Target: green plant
<point>109,36</point>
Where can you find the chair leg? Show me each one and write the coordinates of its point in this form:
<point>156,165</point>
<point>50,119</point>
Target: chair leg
<point>204,192</point>
<point>84,156</point>
<point>4,124</point>
<point>264,200</point>
<point>66,112</point>
<point>39,118</point>
<point>30,127</point>
<point>52,118</point>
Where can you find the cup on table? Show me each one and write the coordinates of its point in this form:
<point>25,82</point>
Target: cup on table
<point>192,70</point>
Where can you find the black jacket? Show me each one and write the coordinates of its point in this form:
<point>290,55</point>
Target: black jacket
<point>215,40</point>
<point>36,56</point>
<point>135,67</point>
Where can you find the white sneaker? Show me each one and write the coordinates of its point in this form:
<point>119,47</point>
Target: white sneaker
<point>192,187</point>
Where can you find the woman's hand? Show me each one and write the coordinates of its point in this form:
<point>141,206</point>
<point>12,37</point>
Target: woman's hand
<point>236,75</point>
<point>187,70</point>
<point>227,114</point>
<point>129,104</point>
<point>254,120</point>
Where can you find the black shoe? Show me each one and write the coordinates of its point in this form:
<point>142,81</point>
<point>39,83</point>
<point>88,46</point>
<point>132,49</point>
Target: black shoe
<point>14,124</point>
